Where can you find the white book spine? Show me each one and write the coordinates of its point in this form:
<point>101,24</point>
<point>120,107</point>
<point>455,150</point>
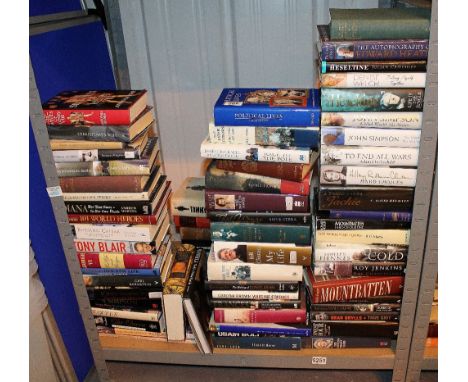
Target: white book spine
<point>386,120</point>
<point>141,233</point>
<point>142,316</point>
<point>350,136</point>
<point>255,295</point>
<point>367,176</point>
<point>347,252</point>
<point>219,270</point>
<point>254,153</point>
<point>373,80</point>
<point>104,196</point>
<point>369,156</point>
<point>232,134</point>
<point>372,236</point>
<point>75,155</point>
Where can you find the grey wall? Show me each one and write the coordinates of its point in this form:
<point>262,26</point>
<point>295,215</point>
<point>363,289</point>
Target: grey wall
<point>186,51</point>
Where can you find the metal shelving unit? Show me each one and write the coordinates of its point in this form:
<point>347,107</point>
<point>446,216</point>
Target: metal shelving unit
<point>405,359</point>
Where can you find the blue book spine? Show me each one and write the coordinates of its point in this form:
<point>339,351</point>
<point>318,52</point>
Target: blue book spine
<point>282,330</point>
<point>394,216</point>
<point>120,272</point>
<point>268,107</point>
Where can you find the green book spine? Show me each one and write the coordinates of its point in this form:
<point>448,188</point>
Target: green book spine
<point>263,233</point>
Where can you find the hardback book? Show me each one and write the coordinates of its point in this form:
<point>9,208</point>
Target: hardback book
<point>191,221</point>
<point>355,329</point>
<point>265,136</point>
<point>356,224</point>
<point>216,178</point>
<point>254,304</point>
<point>125,296</point>
<point>351,136</point>
<point>270,286</point>
<point>140,272</point>
<point>370,49</point>
<point>383,99</point>
<point>294,172</point>
<point>369,156</point>
<point>382,216</point>
<point>262,253</point>
<point>260,217</point>
<point>189,199</point>
<point>381,119</point>
<point>174,289</point>
<point>137,325</point>
<point>109,133</point>
<point>127,314</point>
<point>372,66</point>
<point>373,80</point>
<point>379,23</point>
<point>367,176</point>
<point>194,234</point>
<point>259,153</point>
<point>133,281</point>
<point>118,183</point>
<point>116,260</point>
<point>365,200</point>
<point>236,315</point>
<point>350,342</point>
<point>95,107</point>
<point>270,343</point>
<point>254,295</point>
<point>236,269</point>
<point>326,289</point>
<point>355,316</point>
<point>357,307</point>
<point>113,219</point>
<point>387,299</point>
<point>352,268</point>
<point>365,236</point>
<point>261,233</point>
<point>222,200</point>
<point>267,107</point>
<point>326,252</point>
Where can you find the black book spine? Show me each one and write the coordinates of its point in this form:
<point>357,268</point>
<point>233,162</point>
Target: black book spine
<point>149,282</point>
<point>110,207</point>
<point>354,329</point>
<point>345,224</point>
<point>272,287</point>
<point>355,316</point>
<point>150,326</point>
<point>350,342</point>
<point>260,218</point>
<point>253,304</point>
<point>356,307</point>
<point>271,343</point>
<point>116,133</point>
<point>119,154</point>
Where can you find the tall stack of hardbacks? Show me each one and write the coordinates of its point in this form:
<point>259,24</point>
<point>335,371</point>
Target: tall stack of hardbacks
<point>372,73</point>
<point>107,158</point>
<point>258,187</point>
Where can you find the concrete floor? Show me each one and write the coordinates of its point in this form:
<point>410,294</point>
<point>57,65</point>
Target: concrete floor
<point>141,372</point>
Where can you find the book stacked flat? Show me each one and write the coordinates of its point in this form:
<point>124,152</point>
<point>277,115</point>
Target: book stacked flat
<point>107,157</point>
<point>373,65</point>
<point>189,214</point>
<point>258,187</point>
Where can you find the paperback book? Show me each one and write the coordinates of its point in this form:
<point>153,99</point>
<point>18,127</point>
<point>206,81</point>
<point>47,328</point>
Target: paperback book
<point>381,119</point>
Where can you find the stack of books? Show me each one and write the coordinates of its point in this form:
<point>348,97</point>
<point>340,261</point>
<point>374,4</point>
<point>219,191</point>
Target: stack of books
<point>372,93</point>
<point>107,158</point>
<point>258,187</point>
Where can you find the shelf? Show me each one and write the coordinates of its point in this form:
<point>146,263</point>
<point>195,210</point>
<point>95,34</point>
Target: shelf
<point>121,348</point>
<point>431,358</point>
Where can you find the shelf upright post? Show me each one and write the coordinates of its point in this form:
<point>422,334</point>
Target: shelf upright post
<point>64,228</point>
<point>422,204</point>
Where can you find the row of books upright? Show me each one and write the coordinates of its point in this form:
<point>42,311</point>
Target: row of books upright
<point>372,101</point>
<point>107,157</point>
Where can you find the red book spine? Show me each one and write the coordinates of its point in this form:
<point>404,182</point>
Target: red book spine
<point>219,200</point>
<point>112,219</point>
<point>114,260</point>
<point>191,221</point>
<point>90,116</point>
<point>117,183</point>
<point>260,315</point>
<point>300,188</point>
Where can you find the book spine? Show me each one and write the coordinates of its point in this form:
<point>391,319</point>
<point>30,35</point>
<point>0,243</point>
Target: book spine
<point>369,156</point>
<point>349,269</point>
<point>264,136</point>
<point>251,202</point>
<point>115,246</point>
<point>350,136</point>
<point>126,304</point>
<point>354,329</point>
<point>115,260</point>
<point>123,281</point>
<point>121,271</point>
<point>350,342</point>
<point>373,66</point>
<point>343,224</point>
<point>240,181</point>
<point>262,233</point>
<point>113,322</point>
<point>141,316</point>
<point>176,282</point>
<point>220,270</point>
<point>93,116</point>
<point>191,233</point>
<point>260,218</point>
<point>259,315</point>
<point>95,155</point>
<point>254,153</point>
<point>386,120</point>
<point>373,80</point>
<point>287,171</point>
<point>270,343</point>
<point>90,133</point>
<point>130,183</point>
<point>103,168</point>
<point>191,207</point>
<point>367,176</point>
<point>115,232</point>
<point>354,316</point>
<point>357,308</point>
<point>362,253</point>
<point>372,236</point>
<point>245,286</point>
<point>387,299</point>
<point>104,196</point>
<point>110,208</point>
<point>274,329</point>
<point>357,288</point>
<point>191,221</point>
<point>384,99</point>
<point>113,219</point>
<point>254,295</point>
<point>383,216</point>
<point>254,304</point>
